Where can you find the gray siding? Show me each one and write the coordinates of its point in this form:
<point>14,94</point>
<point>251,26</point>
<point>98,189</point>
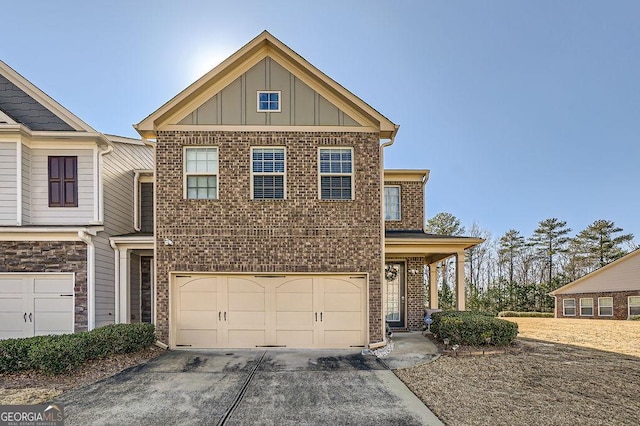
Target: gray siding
<point>8,191</point>
<point>237,103</point>
<point>41,213</point>
<point>117,170</point>
<point>24,109</point>
<point>26,185</point>
<point>146,207</point>
<point>105,281</point>
<point>134,288</point>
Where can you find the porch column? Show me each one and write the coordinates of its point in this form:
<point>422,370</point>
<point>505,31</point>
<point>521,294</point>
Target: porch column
<point>124,315</point>
<point>460,284</point>
<point>433,286</point>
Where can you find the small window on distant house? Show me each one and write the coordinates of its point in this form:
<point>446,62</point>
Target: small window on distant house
<point>336,173</point>
<point>586,307</point>
<point>569,307</point>
<point>391,203</point>
<point>63,181</point>
<point>201,173</point>
<point>268,173</point>
<point>634,305</point>
<point>268,101</point>
<point>605,306</point>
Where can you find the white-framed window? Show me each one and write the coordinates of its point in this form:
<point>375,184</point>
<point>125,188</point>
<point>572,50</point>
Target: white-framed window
<point>586,307</point>
<point>634,305</point>
<point>269,101</point>
<point>605,306</point>
<point>569,307</point>
<point>335,173</point>
<point>268,173</point>
<point>392,202</point>
<point>201,173</point>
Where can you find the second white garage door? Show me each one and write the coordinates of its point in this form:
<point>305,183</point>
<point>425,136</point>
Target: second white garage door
<point>242,311</point>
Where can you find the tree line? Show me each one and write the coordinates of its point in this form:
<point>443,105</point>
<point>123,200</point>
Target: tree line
<point>516,272</point>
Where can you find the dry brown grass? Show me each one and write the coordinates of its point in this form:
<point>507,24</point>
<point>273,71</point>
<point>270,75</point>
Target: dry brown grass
<point>555,382</point>
<point>608,335</point>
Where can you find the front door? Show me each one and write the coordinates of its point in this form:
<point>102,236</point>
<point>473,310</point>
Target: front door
<point>395,289</point>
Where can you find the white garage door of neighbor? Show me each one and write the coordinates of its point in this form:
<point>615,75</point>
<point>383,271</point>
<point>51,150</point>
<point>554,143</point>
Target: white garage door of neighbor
<point>35,304</point>
<point>238,311</point>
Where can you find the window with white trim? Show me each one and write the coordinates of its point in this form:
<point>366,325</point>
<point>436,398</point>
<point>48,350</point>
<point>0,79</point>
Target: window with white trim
<point>392,202</point>
<point>634,305</point>
<point>586,307</point>
<point>569,307</point>
<point>201,173</point>
<point>269,101</point>
<point>336,173</point>
<point>268,170</point>
<point>605,306</point>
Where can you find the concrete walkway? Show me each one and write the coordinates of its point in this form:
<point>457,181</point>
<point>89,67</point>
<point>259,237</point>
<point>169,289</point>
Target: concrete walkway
<point>257,387</point>
<point>410,349</point>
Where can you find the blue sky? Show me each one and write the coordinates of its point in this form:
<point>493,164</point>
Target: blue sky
<point>521,110</point>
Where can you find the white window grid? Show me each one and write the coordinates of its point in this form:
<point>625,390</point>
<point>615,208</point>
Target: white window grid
<point>633,305</point>
<point>201,165</point>
<point>586,306</point>
<point>339,164</point>
<point>568,304</point>
<point>269,101</point>
<point>271,166</point>
<point>607,304</point>
<point>392,202</point>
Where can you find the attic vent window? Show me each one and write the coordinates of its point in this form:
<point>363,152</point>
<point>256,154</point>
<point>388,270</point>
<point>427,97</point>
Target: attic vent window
<point>268,101</point>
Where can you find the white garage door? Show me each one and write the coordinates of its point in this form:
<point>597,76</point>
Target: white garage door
<point>238,311</point>
<point>35,304</point>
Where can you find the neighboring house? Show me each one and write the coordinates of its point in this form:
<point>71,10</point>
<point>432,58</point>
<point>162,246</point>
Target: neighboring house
<point>611,292</point>
<point>270,226</point>
<point>65,189</point>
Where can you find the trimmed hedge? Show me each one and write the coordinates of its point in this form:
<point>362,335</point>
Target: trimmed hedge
<point>56,354</point>
<point>473,328</point>
<point>525,314</point>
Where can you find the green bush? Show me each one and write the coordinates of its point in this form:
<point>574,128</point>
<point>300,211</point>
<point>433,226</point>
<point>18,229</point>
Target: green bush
<point>634,317</point>
<point>60,353</point>
<point>525,314</point>
<point>473,328</point>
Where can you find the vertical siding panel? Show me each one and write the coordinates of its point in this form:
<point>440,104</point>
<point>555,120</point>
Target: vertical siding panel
<point>8,182</point>
<point>26,185</point>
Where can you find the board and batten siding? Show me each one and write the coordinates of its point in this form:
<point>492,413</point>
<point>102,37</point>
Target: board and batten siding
<point>8,184</point>
<point>41,213</point>
<point>26,185</point>
<point>621,276</point>
<point>237,103</point>
<point>117,169</point>
<point>146,207</point>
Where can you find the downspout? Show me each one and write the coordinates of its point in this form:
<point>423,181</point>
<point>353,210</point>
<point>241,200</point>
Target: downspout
<point>384,145</point>
<point>136,208</point>
<point>101,183</point>
<point>116,251</point>
<point>19,183</point>
<point>91,279</point>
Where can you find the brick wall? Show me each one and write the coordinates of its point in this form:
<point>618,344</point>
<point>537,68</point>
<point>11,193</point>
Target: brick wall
<point>51,256</point>
<point>415,293</point>
<point>299,234</point>
<point>411,206</point>
<point>620,304</point>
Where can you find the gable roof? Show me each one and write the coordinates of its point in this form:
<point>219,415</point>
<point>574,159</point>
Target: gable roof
<point>264,45</point>
<point>606,268</point>
<point>22,102</point>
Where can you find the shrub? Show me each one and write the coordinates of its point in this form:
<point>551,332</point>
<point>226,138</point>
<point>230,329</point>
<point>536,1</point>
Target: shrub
<point>60,353</point>
<point>525,314</point>
<point>472,328</point>
<point>634,317</point>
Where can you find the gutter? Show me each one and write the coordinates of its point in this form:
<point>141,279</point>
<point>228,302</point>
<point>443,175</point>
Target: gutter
<point>91,279</point>
<point>384,145</point>
<point>116,277</point>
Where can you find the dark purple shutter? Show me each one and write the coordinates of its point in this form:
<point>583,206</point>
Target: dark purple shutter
<point>63,181</point>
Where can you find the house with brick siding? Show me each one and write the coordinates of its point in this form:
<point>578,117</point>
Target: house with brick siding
<point>275,223</point>
<point>65,189</point>
<point>611,292</point>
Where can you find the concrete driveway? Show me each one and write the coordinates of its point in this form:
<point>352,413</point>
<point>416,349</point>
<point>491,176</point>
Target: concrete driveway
<point>250,387</point>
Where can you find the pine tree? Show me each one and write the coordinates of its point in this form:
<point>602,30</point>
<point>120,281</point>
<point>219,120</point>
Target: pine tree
<point>598,244</point>
<point>549,239</point>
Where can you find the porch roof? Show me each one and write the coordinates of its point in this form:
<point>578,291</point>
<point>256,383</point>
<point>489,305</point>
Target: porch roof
<point>433,247</point>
